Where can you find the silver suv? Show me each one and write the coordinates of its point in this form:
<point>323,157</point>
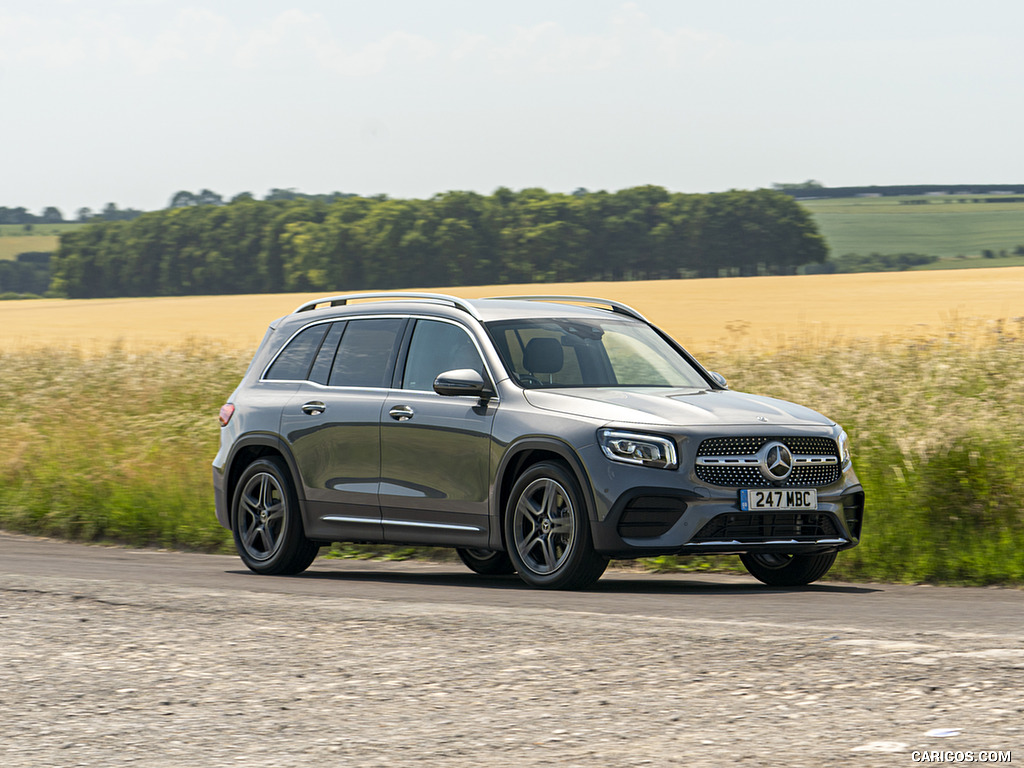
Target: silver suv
<point>537,435</point>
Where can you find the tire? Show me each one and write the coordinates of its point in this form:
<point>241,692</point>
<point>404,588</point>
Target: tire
<point>486,562</point>
<point>788,570</point>
<point>265,520</point>
<point>547,530</point>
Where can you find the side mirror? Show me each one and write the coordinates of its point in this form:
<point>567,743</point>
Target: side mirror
<point>462,381</point>
<point>719,379</point>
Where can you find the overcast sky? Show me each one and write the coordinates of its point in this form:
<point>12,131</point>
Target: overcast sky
<point>129,101</point>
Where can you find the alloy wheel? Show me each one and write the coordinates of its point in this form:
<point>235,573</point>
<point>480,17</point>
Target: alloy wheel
<point>262,516</point>
<point>544,526</point>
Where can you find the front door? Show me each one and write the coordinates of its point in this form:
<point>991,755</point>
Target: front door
<point>436,451</point>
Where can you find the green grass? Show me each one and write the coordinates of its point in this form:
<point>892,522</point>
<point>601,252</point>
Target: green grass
<point>117,447</point>
<point>974,263</point>
<point>942,226</point>
<point>52,230</point>
<point>936,434</point>
<point>10,247</point>
<point>15,239</point>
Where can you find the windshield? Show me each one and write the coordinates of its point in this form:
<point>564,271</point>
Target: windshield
<point>590,353</point>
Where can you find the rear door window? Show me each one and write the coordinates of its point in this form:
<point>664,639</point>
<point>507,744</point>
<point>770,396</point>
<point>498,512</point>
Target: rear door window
<point>366,354</point>
<point>321,371</point>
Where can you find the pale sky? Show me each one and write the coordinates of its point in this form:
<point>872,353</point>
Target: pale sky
<point>129,101</point>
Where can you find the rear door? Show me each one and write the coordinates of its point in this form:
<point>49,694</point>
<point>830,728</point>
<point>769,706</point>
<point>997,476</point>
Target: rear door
<point>332,424</point>
<point>435,451</point>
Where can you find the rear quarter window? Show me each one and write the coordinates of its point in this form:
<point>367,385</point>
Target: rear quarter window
<point>294,362</point>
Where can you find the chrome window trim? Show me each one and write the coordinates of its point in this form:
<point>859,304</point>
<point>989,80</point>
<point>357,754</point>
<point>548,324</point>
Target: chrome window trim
<point>388,316</point>
<point>263,375</point>
<point>476,344</point>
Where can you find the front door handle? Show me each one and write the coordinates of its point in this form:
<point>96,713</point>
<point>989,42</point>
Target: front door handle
<point>401,413</point>
<point>314,408</point>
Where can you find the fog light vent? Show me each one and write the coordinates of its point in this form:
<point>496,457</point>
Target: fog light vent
<point>647,517</point>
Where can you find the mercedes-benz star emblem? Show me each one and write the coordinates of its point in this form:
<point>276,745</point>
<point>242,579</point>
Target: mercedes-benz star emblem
<point>776,461</point>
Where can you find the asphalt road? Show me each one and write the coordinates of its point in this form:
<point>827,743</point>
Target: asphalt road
<point>828,605</point>
<point>118,657</point>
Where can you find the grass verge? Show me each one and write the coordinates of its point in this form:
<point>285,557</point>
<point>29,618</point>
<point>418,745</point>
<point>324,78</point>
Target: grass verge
<point>117,447</point>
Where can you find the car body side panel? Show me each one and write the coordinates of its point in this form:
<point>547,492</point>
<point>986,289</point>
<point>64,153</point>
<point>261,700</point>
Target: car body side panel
<point>434,468</point>
<point>338,453</point>
<point>520,429</point>
<point>258,413</point>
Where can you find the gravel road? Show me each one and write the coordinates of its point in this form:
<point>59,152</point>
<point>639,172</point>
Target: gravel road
<point>106,672</point>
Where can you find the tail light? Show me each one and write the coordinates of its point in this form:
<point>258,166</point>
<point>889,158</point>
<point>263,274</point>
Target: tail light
<point>226,412</point>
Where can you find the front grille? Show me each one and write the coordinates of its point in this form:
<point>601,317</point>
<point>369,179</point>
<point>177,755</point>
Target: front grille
<point>773,526</point>
<point>646,517</point>
<point>749,476</point>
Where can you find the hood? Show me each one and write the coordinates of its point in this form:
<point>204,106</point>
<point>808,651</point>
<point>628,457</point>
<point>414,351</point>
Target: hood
<point>675,407</point>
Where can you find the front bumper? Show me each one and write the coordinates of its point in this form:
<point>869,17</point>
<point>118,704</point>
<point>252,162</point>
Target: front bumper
<point>656,521</point>
<point>642,511</point>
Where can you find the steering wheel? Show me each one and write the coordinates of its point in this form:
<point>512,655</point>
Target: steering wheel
<point>529,378</point>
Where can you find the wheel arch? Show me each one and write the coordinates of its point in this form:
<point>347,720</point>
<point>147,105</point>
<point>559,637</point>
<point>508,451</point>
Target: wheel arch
<point>521,455</point>
<point>248,449</point>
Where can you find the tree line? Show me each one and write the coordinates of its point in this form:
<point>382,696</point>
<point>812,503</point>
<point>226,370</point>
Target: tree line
<point>21,215</point>
<point>340,243</point>
<point>53,215</point>
<point>28,274</point>
<point>110,212</point>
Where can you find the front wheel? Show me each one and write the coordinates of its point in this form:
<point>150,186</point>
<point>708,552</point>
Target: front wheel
<point>547,530</point>
<point>486,562</point>
<point>788,570</point>
<point>266,523</point>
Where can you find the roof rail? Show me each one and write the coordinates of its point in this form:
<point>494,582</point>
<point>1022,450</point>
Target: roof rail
<point>614,306</point>
<point>438,298</point>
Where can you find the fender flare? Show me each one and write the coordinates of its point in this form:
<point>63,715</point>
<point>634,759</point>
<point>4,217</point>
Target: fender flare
<point>551,445</point>
<point>263,440</point>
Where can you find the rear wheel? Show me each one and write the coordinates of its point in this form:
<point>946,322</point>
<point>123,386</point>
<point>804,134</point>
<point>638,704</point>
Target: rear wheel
<point>265,520</point>
<point>486,562</point>
<point>547,530</point>
<point>788,570</point>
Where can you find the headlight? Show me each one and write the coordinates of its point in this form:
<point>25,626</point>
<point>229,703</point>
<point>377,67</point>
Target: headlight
<point>844,449</point>
<point>634,448</point>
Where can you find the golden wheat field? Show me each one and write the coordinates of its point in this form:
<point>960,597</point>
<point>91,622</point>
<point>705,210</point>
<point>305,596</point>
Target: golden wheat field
<point>763,312</point>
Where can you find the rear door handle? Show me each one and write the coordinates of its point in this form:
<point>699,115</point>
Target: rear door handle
<point>314,408</point>
<point>401,413</point>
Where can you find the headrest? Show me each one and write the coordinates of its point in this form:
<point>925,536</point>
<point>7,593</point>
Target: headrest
<point>543,355</point>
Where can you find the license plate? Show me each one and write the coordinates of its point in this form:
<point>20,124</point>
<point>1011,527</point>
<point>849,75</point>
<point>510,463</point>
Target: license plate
<point>758,499</point>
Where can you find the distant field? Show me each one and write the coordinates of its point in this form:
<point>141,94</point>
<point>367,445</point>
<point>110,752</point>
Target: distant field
<point>942,226</point>
<point>18,230</point>
<point>10,247</point>
<point>758,313</point>
<point>973,263</point>
<point>15,239</point>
